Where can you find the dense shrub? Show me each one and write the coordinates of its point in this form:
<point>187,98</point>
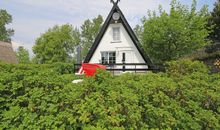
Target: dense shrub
<point>184,67</point>
<point>33,99</point>
<point>61,68</point>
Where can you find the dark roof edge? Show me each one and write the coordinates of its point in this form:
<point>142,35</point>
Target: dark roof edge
<point>130,33</point>
<point>99,36</point>
<point>135,39</point>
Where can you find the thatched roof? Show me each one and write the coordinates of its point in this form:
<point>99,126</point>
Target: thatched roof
<point>6,53</point>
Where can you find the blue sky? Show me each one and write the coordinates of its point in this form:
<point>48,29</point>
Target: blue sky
<point>33,17</point>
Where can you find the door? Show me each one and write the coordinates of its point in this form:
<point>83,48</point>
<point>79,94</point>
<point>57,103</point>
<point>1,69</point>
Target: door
<point>126,58</point>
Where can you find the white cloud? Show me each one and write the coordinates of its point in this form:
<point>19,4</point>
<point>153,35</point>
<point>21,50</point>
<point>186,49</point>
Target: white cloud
<point>33,17</point>
<point>85,9</point>
<point>29,25</point>
<point>27,30</point>
<point>17,44</point>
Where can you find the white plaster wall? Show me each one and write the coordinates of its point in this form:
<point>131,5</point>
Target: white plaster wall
<point>125,45</point>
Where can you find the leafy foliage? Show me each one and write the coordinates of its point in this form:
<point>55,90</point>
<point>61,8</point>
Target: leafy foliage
<point>57,44</point>
<point>90,30</point>
<point>138,30</point>
<point>22,55</point>
<point>5,18</point>
<point>185,67</point>
<point>171,35</point>
<point>215,20</point>
<point>40,97</point>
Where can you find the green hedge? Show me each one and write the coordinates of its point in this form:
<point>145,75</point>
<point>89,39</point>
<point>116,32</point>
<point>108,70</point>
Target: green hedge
<point>34,97</point>
<point>185,67</point>
<point>60,68</point>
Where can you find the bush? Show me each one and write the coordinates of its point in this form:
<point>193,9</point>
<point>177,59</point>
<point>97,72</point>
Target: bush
<point>60,68</point>
<point>185,67</point>
<point>32,99</point>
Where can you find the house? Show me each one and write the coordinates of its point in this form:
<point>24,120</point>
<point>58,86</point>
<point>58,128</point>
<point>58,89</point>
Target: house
<point>117,46</point>
<point>6,53</point>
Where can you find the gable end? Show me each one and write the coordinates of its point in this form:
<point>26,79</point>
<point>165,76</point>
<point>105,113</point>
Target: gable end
<point>127,28</point>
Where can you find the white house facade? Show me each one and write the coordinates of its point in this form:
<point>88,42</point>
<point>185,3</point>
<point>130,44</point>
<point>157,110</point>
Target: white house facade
<point>116,47</point>
<point>116,44</point>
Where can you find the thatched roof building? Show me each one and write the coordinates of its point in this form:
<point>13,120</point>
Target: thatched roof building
<point>6,53</point>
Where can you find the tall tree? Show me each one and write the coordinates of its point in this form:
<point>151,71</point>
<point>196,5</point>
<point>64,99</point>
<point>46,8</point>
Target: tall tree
<point>138,30</point>
<point>5,19</point>
<point>215,20</point>
<point>57,44</point>
<point>22,55</point>
<point>168,36</point>
<point>90,30</point>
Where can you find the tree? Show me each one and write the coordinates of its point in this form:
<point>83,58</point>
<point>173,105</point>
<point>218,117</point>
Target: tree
<point>171,35</point>
<point>90,30</point>
<point>57,44</point>
<point>22,55</point>
<point>5,34</point>
<point>138,30</point>
<point>215,20</point>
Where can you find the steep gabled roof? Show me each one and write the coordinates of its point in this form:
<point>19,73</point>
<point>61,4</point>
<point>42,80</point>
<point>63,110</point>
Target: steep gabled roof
<point>6,53</point>
<point>127,27</point>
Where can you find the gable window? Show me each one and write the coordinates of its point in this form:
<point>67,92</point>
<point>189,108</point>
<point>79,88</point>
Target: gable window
<point>116,34</point>
<point>108,57</point>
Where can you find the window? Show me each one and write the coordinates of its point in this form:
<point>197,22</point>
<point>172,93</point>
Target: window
<point>116,34</point>
<point>104,57</point>
<point>111,58</point>
<point>108,57</point>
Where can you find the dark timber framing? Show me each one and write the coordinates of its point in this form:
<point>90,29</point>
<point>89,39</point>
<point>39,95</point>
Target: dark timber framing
<point>127,27</point>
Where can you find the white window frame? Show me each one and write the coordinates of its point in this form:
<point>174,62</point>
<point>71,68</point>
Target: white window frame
<point>107,53</point>
<point>116,34</point>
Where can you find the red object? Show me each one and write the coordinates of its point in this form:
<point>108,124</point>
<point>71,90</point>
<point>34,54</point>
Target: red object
<point>90,69</point>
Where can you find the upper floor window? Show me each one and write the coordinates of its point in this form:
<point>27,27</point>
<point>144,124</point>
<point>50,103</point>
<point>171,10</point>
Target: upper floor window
<point>116,34</point>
